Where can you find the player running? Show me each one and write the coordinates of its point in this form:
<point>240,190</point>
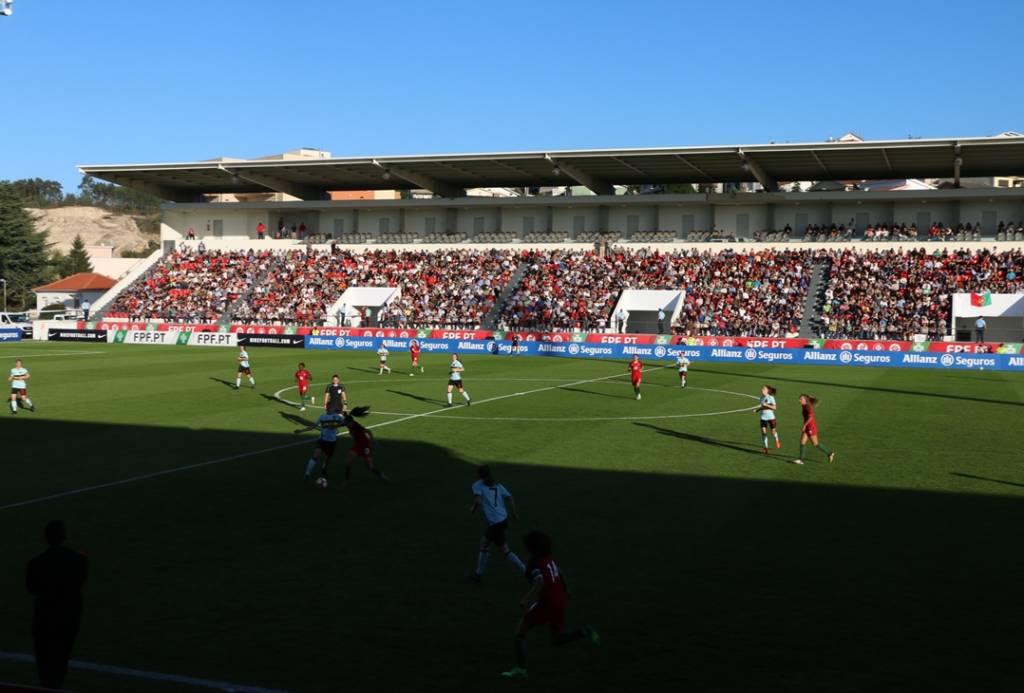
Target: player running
<point>335,396</point>
<point>19,387</point>
<point>766,409</point>
<point>636,374</point>
<point>491,496</point>
<point>302,378</point>
<point>382,358</point>
<point>455,370</point>
<point>328,423</point>
<point>544,603</point>
<point>362,444</point>
<point>683,364</point>
<point>244,368</point>
<point>810,429</point>
<point>414,353</point>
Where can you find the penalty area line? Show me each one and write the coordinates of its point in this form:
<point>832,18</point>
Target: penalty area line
<point>147,675</point>
<point>284,446</point>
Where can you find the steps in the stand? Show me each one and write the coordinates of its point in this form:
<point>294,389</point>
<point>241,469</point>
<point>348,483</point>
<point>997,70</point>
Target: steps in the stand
<point>812,304</point>
<point>490,320</point>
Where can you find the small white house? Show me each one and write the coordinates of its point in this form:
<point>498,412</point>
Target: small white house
<point>74,290</point>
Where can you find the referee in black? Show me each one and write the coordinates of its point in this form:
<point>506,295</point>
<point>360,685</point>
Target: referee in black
<point>335,397</point>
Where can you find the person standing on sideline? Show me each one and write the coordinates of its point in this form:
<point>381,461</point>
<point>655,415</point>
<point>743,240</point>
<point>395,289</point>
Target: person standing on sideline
<point>55,578</point>
<point>661,321</point>
<point>261,231</point>
<point>86,306</point>
<point>620,319</point>
<point>979,328</point>
<point>340,316</point>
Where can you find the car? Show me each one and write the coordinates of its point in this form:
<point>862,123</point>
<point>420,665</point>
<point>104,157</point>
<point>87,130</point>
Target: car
<point>17,320</point>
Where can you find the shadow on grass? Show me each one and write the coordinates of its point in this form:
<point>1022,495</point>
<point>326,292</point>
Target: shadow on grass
<point>699,583</point>
<point>418,398</point>
<point>760,377</point>
<point>985,478</point>
<point>228,383</point>
<point>596,393</point>
<point>295,419</point>
<point>703,440</point>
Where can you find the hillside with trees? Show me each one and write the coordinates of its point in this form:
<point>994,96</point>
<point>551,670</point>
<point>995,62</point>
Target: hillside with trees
<point>44,231</point>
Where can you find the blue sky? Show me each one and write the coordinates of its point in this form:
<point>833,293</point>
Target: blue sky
<point>117,81</point>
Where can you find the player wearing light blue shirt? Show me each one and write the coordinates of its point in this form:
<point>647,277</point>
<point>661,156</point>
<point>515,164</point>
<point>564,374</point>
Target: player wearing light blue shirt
<point>328,424</point>
<point>455,380</point>
<point>491,497</point>
<point>766,409</point>
<point>19,387</point>
<point>244,367</point>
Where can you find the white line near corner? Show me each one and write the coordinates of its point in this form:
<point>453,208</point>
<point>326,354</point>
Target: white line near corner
<point>147,675</point>
<point>285,446</point>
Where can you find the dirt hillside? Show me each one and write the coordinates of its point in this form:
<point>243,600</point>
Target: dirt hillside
<point>97,226</point>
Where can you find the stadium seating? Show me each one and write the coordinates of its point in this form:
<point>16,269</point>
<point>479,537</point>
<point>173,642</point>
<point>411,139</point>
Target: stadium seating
<point>726,293</point>
<point>896,294</point>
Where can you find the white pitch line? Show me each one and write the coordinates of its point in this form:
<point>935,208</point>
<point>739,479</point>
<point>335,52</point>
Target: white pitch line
<point>43,354</point>
<point>148,675</point>
<point>208,463</point>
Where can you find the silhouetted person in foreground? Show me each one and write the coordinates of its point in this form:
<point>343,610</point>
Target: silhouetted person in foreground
<point>55,578</point>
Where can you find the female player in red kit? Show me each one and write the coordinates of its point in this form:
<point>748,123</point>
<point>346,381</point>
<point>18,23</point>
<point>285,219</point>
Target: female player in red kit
<point>636,374</point>
<point>810,429</point>
<point>362,444</point>
<point>544,603</point>
<point>302,378</point>
<point>414,353</point>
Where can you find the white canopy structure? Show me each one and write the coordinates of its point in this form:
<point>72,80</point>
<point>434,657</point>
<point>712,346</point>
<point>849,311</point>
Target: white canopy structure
<point>350,309</point>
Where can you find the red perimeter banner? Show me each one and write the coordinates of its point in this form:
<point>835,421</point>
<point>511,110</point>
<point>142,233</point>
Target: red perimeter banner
<point>566,337</point>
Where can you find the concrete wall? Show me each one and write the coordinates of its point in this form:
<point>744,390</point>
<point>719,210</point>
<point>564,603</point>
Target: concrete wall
<point>513,219</point>
<point>877,213</point>
<point>726,218</point>
<point>562,218</point>
<point>646,217</point>
<point>671,217</point>
<point>466,220</point>
<point>370,220</point>
<point>798,216</point>
<point>1005,210</point>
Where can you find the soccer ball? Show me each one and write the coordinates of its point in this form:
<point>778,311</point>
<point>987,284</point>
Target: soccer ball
<point>410,375</point>
<point>321,482</point>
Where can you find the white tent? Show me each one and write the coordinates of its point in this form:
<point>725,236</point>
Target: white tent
<point>642,307</point>
<point>354,302</point>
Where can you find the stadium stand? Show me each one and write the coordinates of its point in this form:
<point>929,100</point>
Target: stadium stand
<point>896,294</point>
<point>758,294</point>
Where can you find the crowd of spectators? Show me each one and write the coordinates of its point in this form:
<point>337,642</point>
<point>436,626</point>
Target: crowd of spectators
<point>896,294</point>
<point>192,285</point>
<point>445,288</point>
<point>833,233</point>
<point>725,293</point>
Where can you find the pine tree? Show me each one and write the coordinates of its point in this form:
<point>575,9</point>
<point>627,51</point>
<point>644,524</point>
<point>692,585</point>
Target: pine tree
<point>77,259</point>
<point>23,258</point>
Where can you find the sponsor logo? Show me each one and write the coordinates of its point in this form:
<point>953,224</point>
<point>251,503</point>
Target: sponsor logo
<point>662,339</point>
<point>579,337</point>
<point>636,351</point>
<point>151,337</point>
<point>869,359</point>
<point>829,356</point>
<point>845,357</point>
<point>10,335</point>
<point>727,354</point>
<point>77,335</point>
<point>545,348</point>
<point>212,339</point>
<point>435,346</point>
<point>920,359</point>
<point>660,352</point>
<point>1017,361</point>
<point>728,343</point>
<point>574,348</point>
<point>947,360</point>
<point>340,342</point>
<point>472,346</point>
<point>749,354</point>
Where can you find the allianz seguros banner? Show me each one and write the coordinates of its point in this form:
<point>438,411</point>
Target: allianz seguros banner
<point>658,352</point>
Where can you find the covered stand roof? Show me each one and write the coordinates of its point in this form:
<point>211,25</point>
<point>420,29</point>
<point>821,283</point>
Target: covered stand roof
<point>599,170</point>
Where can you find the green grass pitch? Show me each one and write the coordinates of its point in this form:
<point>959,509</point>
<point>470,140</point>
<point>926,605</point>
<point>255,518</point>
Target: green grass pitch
<point>706,565</point>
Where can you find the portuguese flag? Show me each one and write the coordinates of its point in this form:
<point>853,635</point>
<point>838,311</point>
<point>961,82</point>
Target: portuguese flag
<point>981,300</point>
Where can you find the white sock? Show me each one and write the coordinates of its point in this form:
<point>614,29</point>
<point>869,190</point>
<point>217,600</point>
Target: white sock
<point>252,381</point>
<point>449,398</point>
<point>514,560</point>
<point>776,433</point>
<point>238,381</point>
<point>465,395</point>
<point>764,439</point>
<point>14,403</point>
<point>481,562</point>
<point>310,467</point>
<point>28,402</point>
